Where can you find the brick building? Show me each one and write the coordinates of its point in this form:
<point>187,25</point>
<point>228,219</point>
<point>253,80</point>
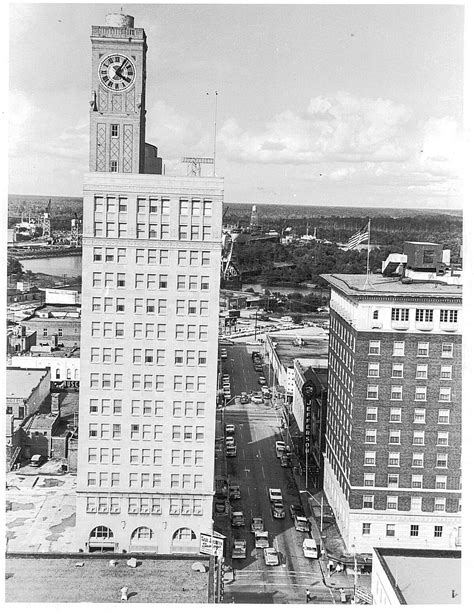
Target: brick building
<point>56,324</point>
<point>393,438</point>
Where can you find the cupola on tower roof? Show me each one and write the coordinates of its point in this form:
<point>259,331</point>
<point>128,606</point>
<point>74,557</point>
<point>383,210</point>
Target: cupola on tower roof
<point>119,20</point>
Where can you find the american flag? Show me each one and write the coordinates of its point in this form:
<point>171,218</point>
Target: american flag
<point>362,235</point>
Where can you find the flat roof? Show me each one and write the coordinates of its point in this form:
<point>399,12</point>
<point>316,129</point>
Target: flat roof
<point>93,580</point>
<point>314,348</point>
<point>42,421</point>
<point>22,381</point>
<point>356,285</point>
<point>423,576</point>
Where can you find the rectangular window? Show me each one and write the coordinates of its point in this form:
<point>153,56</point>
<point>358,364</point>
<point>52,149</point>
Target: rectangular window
<point>418,460</point>
<point>443,439</point>
<point>366,528</point>
<point>446,373</point>
<point>394,458</point>
<point>415,502</point>
<point>398,348</point>
<point>205,257</point>
<point>392,502</point>
<point>438,531</point>
<point>396,392</point>
<point>369,479</point>
<point>440,504</point>
<point>441,460</point>
<point>420,394</point>
<point>397,371</point>
<point>417,482</point>
<point>392,481</point>
<point>441,482</point>
<point>394,437</point>
<point>443,416</point>
<point>400,314</point>
<point>423,349</point>
<point>424,315</point>
<point>445,394</point>
<point>205,283</point>
<point>395,415</point>
<point>447,349</point>
<point>373,370</point>
<point>419,416</point>
<point>369,458</point>
<point>448,316</point>
<point>372,392</point>
<point>183,232</point>
<point>371,413</point>
<point>414,530</point>
<point>374,347</point>
<point>371,436</point>
<point>368,502</point>
<point>422,371</point>
<point>418,438</point>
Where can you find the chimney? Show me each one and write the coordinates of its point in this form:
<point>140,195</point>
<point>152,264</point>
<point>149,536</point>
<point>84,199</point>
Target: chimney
<point>55,410</point>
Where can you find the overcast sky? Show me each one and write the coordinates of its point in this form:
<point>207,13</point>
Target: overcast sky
<point>317,104</point>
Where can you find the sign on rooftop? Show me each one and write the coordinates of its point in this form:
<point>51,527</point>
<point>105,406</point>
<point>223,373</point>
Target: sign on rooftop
<point>212,545</point>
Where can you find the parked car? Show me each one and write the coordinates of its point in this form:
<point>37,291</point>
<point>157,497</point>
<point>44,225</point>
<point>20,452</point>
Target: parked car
<point>267,395</point>
<point>280,447</point>
<point>278,510</point>
<point>223,354</point>
<point>257,399</point>
<point>229,441</point>
<point>275,495</point>
<point>258,367</point>
<point>237,519</point>
<point>239,549</point>
<point>271,557</point>
<point>261,539</point>
<point>256,354</point>
<point>220,507</point>
<point>310,548</point>
<point>234,492</point>
<point>231,451</point>
<point>302,524</point>
<point>262,380</point>
<point>296,510</point>
<point>285,460</point>
<point>257,524</point>
<point>37,460</point>
<point>244,398</point>
<point>227,396</point>
<point>230,429</point>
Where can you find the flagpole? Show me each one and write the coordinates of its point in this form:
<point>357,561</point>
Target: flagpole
<point>368,254</point>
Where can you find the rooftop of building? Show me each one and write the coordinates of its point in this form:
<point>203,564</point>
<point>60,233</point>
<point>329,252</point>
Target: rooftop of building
<point>358,285</point>
<point>22,381</point>
<point>56,311</point>
<point>423,576</point>
<point>314,348</point>
<point>43,421</point>
<point>39,351</point>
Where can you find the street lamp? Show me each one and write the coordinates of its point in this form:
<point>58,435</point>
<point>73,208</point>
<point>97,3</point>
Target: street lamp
<point>321,504</point>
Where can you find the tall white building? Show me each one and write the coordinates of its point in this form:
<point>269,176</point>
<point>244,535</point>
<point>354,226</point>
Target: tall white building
<point>150,296</point>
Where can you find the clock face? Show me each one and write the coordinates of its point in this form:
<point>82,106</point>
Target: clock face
<point>117,72</point>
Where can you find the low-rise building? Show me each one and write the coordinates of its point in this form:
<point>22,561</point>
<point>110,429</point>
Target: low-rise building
<point>56,324</point>
<point>63,363</point>
<point>416,577</point>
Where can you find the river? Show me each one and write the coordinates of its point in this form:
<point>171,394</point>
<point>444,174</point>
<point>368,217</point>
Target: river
<point>71,266</point>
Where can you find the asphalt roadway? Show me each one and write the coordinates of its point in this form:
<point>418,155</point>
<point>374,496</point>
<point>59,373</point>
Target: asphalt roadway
<point>256,468</point>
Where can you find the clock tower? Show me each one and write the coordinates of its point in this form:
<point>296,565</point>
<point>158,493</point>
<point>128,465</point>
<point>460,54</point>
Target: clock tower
<point>117,115</point>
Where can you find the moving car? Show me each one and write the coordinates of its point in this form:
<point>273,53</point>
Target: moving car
<point>271,557</point>
<point>237,519</point>
<point>261,539</point>
<point>244,399</point>
<point>231,451</point>
<point>280,447</point>
<point>257,524</point>
<point>234,492</point>
<point>257,399</point>
<point>239,549</point>
<point>296,510</point>
<point>285,460</point>
<point>310,548</point>
<point>275,495</point>
<point>230,430</point>
<point>302,524</point>
<point>278,510</point>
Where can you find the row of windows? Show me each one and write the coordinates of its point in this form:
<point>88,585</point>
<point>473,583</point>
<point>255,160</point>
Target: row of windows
<point>414,529</point>
<point>152,256</point>
<point>416,504</point>
<point>392,480</point>
<point>107,355</point>
<point>144,505</point>
<point>151,231</point>
<point>398,372</point>
<point>147,382</point>
<point>148,457</point>
<point>396,393</point>
<point>151,204</point>
<point>395,415</point>
<point>424,315</point>
<point>147,408</point>
<point>343,332</point>
<point>370,457</point>
<point>145,432</point>
<point>422,350</point>
<point>146,480</point>
<point>418,437</point>
<point>108,329</point>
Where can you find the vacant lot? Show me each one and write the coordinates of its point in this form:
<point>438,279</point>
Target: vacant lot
<point>96,581</point>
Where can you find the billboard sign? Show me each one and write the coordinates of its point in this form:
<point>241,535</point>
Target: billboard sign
<point>212,545</point>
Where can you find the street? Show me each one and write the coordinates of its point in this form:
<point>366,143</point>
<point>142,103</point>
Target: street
<point>257,468</point>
